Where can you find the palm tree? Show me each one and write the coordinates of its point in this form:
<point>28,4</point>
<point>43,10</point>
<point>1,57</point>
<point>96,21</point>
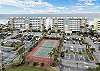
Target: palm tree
<point>86,45</point>
<point>50,55</point>
<point>54,54</point>
<point>92,50</point>
<point>81,28</point>
<point>86,27</point>
<point>54,50</point>
<point>30,27</point>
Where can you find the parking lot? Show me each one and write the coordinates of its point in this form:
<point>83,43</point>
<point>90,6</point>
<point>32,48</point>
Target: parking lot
<point>74,56</point>
<point>8,54</point>
<point>69,68</point>
<point>96,46</point>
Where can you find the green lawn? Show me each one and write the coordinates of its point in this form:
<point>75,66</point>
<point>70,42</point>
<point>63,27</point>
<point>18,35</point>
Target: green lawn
<point>25,68</point>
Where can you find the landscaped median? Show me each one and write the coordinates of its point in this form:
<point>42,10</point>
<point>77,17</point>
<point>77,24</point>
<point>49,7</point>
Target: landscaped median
<point>89,51</point>
<point>91,57</point>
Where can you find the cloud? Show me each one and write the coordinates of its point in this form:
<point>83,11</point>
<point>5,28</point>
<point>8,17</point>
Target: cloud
<point>29,5</point>
<point>25,3</point>
<point>84,6</point>
<point>87,2</point>
<point>41,7</point>
<point>7,1</point>
<point>60,7</point>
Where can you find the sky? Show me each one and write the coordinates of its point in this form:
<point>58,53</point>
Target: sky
<point>49,6</point>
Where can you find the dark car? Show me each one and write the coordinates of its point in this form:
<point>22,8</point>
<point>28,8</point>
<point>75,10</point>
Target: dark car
<point>62,55</point>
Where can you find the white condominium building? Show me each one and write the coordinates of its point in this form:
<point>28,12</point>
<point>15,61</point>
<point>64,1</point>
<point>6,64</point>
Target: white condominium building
<point>26,22</point>
<point>75,23</point>
<point>54,23</point>
<point>48,23</point>
<point>18,22</point>
<point>58,23</point>
<point>36,23</point>
<point>97,24</point>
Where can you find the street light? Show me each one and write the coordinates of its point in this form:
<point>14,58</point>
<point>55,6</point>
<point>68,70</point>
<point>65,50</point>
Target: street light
<point>77,66</point>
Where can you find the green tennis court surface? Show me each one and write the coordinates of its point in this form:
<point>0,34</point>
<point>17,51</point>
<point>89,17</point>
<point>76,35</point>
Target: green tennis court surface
<point>46,47</point>
<point>43,52</point>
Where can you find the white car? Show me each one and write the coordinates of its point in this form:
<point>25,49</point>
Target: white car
<point>71,48</point>
<point>96,42</point>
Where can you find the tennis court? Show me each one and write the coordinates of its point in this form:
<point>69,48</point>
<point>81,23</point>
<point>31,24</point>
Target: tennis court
<point>44,47</point>
<point>47,46</point>
<point>41,52</point>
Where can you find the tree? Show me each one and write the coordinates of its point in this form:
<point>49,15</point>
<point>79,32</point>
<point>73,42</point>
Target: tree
<point>30,27</point>
<point>81,28</point>
<point>50,54</point>
<point>2,43</point>
<point>92,50</point>
<point>58,31</point>
<point>87,25</point>
<point>92,26</point>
